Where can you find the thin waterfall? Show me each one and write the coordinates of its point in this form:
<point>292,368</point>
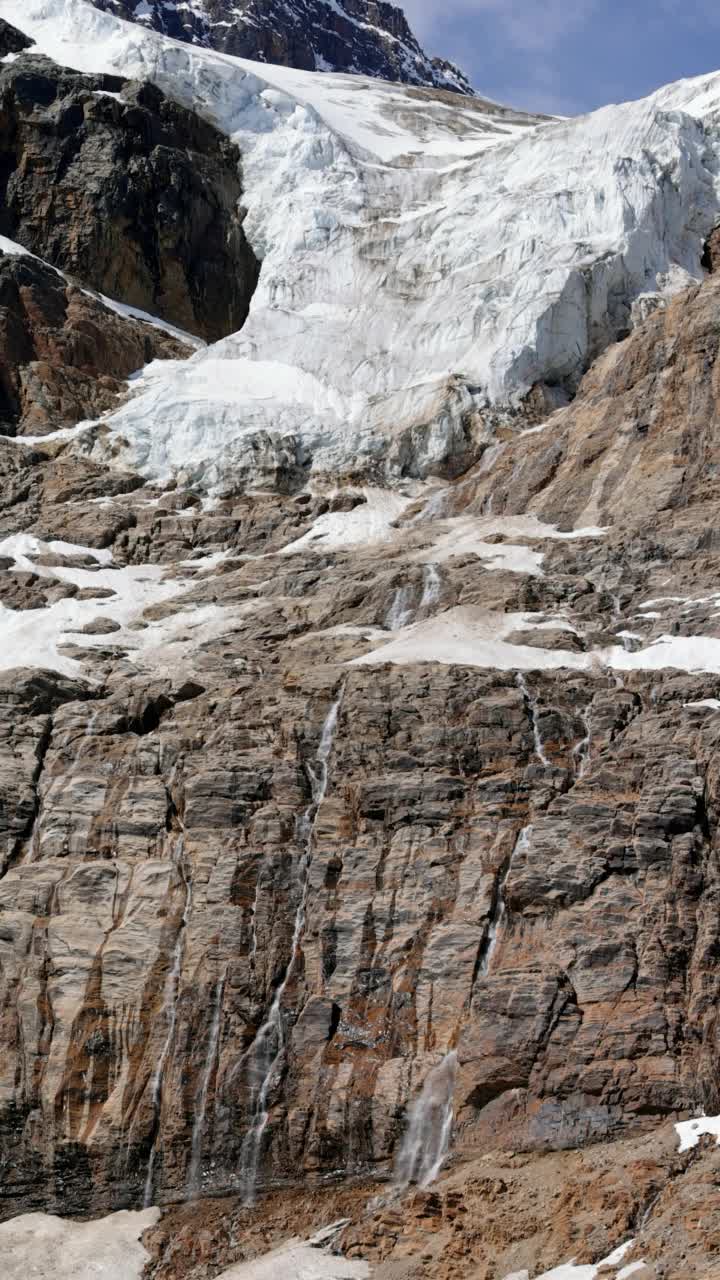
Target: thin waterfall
<point>490,457</point>
<point>268,1046</point>
<point>532,704</point>
<point>427,1137</point>
<point>400,612</point>
<point>435,508</point>
<point>195,1171</point>
<point>499,908</point>
<point>256,904</point>
<point>431,588</point>
<point>624,638</point>
<point>170,1003</point>
<point>90,726</point>
<point>581,753</point>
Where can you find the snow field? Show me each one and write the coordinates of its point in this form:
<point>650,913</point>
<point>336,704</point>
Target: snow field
<point>35,637</point>
<point>44,1247</point>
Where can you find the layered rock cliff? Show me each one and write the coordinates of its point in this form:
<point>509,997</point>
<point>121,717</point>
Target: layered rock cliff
<point>359,818</point>
<point>65,353</point>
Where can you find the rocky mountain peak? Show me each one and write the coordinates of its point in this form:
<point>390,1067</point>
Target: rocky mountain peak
<point>362,37</point>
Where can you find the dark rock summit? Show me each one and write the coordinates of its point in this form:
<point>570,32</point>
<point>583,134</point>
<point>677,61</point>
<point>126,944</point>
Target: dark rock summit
<point>131,193</point>
<point>364,37</point>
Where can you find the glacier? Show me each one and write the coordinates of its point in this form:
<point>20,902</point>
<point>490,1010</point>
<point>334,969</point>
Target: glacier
<point>425,263</point>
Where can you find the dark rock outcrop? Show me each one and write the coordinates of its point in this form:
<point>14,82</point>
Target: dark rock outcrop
<point>12,40</point>
<point>129,192</point>
<point>63,353</point>
<point>364,37</point>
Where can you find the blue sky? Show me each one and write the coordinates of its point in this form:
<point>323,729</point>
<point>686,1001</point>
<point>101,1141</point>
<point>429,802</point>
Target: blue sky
<point>569,56</point>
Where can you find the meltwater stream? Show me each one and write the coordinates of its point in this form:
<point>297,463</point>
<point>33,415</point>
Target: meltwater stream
<point>402,612</point>
<point>532,704</point>
<point>431,588</point>
<point>194,1180</point>
<point>269,1043</point>
<point>170,1004</point>
<point>499,908</point>
<point>427,1137</point>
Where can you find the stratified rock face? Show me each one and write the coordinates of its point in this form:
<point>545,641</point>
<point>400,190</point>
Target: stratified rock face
<point>365,37</point>
<point>127,191</point>
<point>151,919</point>
<point>63,353</point>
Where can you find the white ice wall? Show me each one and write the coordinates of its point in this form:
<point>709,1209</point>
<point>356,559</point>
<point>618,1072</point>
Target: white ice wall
<point>420,259</point>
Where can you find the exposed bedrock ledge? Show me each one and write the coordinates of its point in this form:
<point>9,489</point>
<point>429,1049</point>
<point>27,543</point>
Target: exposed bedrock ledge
<point>63,353</point>
<point>133,194</point>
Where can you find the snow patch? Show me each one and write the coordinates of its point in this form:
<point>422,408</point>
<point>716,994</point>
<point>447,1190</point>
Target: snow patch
<point>24,547</point>
<point>35,637</point>
<point>369,523</point>
<point>468,535</point>
<point>686,653</point>
<point>573,1271</point>
<point>298,1262</point>
<point>469,636</point>
<point>463,537</point>
<point>50,1248</point>
<point>134,313</point>
<point>10,247</point>
<point>690,1131</point>
<point>472,637</point>
<point>120,308</point>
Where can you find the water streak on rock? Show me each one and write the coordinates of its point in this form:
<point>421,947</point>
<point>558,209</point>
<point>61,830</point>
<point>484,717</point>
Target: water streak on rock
<point>581,753</point>
<point>266,1051</point>
<point>532,706</point>
<point>431,588</point>
<point>499,907</point>
<point>434,509</point>
<point>195,1170</point>
<point>400,612</point>
<point>255,906</point>
<point>169,1009</point>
